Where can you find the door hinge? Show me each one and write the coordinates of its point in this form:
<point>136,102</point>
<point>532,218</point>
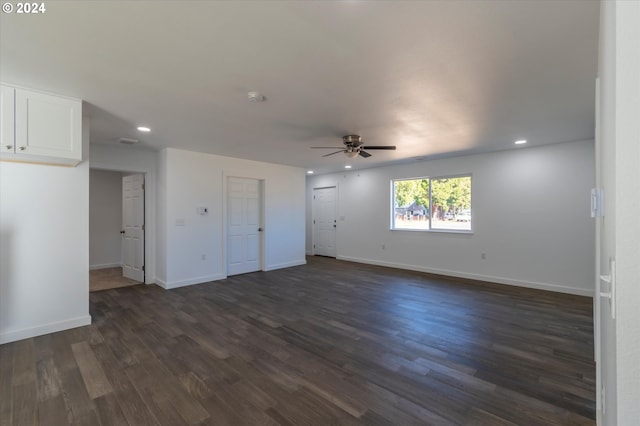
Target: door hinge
<point>314,221</point>
<point>143,227</point>
<point>143,186</point>
<point>142,268</point>
<point>314,197</point>
<point>314,246</point>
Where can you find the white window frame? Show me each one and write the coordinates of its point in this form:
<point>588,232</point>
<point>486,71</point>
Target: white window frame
<point>430,229</point>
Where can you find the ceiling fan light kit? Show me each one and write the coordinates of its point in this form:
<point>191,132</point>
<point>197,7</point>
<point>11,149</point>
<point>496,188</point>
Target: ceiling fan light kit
<point>353,147</point>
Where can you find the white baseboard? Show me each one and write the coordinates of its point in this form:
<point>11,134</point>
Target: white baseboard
<point>161,283</point>
<point>478,277</point>
<point>105,266</point>
<point>284,265</point>
<point>199,280</point>
<point>191,281</point>
<point>26,333</point>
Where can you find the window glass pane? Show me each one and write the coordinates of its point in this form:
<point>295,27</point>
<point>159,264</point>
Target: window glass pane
<point>451,199</point>
<point>411,204</point>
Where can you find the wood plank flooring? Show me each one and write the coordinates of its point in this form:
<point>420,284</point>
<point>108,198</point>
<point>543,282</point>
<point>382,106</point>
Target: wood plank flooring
<point>327,343</point>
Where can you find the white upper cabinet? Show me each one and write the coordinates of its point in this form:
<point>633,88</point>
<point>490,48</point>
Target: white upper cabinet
<point>7,119</point>
<point>38,127</point>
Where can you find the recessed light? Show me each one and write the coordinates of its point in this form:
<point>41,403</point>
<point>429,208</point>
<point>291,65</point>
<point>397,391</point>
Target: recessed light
<point>520,142</point>
<point>144,129</point>
<point>347,166</point>
<point>309,172</point>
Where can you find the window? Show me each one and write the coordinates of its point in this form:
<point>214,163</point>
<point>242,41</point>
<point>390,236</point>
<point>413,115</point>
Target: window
<point>436,203</point>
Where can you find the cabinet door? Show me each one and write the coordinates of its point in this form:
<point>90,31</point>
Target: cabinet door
<point>7,124</point>
<point>48,125</point>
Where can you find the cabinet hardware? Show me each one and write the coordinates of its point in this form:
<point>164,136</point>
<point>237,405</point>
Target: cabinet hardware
<point>22,148</point>
<point>9,146</point>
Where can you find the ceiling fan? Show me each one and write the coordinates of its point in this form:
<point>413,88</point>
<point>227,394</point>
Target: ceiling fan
<point>353,147</point>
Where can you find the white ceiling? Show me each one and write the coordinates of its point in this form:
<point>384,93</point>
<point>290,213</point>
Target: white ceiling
<point>434,78</point>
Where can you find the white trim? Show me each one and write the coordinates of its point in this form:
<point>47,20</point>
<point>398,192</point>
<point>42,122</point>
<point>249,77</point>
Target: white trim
<point>149,212</point>
<point>478,277</point>
<point>284,265</point>
<point>309,252</point>
<point>191,281</point>
<point>597,307</point>
<point>105,266</point>
<point>53,327</point>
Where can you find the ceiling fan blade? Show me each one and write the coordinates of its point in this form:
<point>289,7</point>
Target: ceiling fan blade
<point>364,154</point>
<point>326,155</point>
<point>326,147</point>
<point>389,147</point>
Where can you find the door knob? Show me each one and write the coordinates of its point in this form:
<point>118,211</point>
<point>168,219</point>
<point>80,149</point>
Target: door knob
<point>122,232</point>
<point>259,229</point>
<point>334,225</point>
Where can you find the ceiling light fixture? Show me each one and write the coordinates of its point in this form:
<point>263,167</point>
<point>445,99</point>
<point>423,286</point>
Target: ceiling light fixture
<point>309,172</point>
<point>256,97</point>
<point>144,129</point>
<point>347,166</point>
<point>520,142</point>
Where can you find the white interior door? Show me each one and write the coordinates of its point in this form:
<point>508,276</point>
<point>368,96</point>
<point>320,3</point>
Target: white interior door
<point>324,221</point>
<point>133,224</point>
<point>244,225</point>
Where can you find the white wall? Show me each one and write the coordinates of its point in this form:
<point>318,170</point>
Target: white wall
<point>618,157</point>
<point>190,180</point>
<point>130,159</point>
<point>105,219</point>
<point>44,249</point>
<point>530,216</point>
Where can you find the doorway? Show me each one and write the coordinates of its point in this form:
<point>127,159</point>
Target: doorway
<point>116,258</point>
<point>133,227</point>
<point>324,221</point>
<point>244,225</point>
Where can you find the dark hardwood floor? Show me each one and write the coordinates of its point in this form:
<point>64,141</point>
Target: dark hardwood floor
<point>327,343</point>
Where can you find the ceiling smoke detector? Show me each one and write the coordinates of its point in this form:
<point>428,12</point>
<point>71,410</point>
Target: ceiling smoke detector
<point>256,97</point>
<point>128,141</point>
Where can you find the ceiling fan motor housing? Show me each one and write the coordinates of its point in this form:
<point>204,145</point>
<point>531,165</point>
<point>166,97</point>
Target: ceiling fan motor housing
<point>354,140</point>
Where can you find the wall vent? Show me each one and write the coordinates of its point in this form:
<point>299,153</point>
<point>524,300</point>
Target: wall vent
<point>127,141</point>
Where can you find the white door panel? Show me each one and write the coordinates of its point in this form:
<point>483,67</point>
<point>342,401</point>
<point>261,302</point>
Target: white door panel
<point>253,243</point>
<point>244,220</point>
<point>324,221</point>
<point>133,226</point>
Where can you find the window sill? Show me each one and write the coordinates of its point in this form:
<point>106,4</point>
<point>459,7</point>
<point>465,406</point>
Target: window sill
<point>437,231</point>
